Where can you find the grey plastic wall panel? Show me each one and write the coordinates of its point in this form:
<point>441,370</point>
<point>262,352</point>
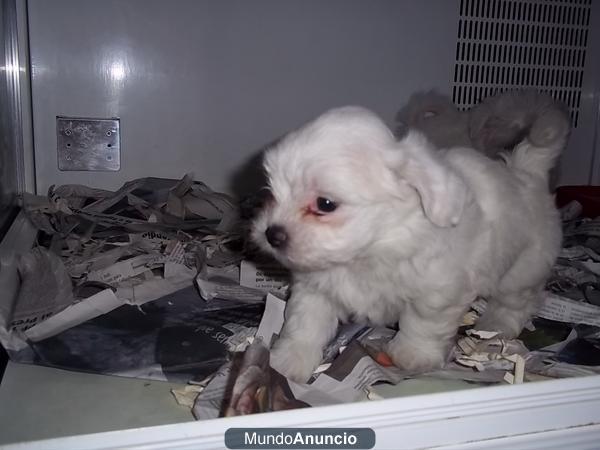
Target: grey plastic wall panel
<point>8,163</point>
<point>26,126</point>
<point>592,93</point>
<point>202,85</point>
<point>580,157</point>
<point>15,129</point>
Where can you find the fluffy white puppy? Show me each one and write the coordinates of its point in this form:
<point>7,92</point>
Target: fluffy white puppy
<point>394,232</point>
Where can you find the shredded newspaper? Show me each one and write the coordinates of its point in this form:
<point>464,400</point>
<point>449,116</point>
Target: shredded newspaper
<point>161,271</point>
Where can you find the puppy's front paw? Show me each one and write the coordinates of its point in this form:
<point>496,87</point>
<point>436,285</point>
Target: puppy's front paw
<point>416,357</point>
<point>508,322</point>
<point>295,360</point>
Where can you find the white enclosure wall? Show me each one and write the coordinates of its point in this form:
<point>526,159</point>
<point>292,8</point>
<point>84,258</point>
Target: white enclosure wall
<point>202,85</point>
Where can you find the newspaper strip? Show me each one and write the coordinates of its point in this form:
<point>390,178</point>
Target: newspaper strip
<point>272,321</point>
<point>186,396</point>
<point>125,269</point>
<point>589,228</point>
<point>346,333</point>
<point>265,276</point>
<point>155,288</point>
<point>208,404</point>
<point>563,309</point>
<point>592,266</point>
<point>519,370</point>
<point>227,291</point>
<point>45,290</point>
<point>328,391</point>
<point>94,306</point>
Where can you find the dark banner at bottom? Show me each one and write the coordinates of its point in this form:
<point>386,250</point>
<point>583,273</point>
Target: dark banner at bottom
<point>313,438</point>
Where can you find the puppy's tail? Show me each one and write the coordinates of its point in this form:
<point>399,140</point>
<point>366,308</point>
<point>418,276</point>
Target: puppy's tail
<point>503,121</point>
<point>534,159</point>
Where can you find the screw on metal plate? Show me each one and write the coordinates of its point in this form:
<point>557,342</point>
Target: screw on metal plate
<point>88,144</point>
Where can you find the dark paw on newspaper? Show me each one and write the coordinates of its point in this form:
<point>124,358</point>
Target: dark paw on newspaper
<point>256,386</point>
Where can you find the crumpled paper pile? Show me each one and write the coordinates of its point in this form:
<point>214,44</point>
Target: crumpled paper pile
<point>154,237</point>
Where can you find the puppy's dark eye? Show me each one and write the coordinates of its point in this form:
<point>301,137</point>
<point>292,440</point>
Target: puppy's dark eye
<point>325,205</point>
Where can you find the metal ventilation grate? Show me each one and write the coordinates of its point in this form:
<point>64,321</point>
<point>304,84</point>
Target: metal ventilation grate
<point>513,44</point>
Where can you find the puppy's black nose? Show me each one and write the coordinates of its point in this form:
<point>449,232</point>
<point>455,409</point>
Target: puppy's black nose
<point>276,236</point>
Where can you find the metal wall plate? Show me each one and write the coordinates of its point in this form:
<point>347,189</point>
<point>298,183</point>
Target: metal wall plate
<point>88,144</point>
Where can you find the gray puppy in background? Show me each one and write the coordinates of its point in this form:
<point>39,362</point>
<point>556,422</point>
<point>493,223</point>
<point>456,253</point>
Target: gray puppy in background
<point>496,124</point>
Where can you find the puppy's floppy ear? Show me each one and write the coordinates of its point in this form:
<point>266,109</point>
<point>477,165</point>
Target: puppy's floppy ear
<point>443,193</point>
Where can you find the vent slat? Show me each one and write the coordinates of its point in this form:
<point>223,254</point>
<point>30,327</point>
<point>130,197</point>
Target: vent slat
<point>511,44</point>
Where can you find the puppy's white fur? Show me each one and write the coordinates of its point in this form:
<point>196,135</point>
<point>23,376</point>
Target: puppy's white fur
<point>417,235</point>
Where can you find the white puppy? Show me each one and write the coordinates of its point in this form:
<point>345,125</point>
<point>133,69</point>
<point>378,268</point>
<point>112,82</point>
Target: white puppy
<point>393,232</point>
